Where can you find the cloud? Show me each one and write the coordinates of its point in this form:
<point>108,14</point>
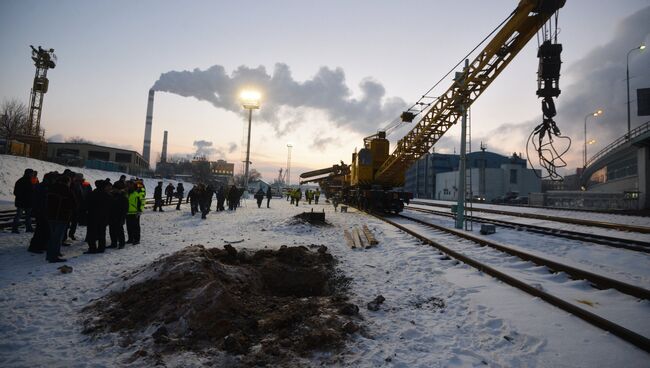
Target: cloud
<point>232,147</point>
<point>599,84</point>
<point>283,96</point>
<point>320,143</point>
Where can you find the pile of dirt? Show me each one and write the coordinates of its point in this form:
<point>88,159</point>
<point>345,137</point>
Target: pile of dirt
<point>313,218</point>
<point>265,307</point>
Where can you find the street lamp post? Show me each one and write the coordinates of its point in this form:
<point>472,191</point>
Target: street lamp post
<point>596,114</point>
<point>627,73</point>
<point>250,102</point>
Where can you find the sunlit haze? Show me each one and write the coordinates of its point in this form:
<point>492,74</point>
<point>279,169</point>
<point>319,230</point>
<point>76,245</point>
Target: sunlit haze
<point>326,73</point>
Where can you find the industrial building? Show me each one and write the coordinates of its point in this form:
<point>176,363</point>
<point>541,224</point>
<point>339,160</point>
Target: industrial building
<point>491,176</point>
<point>94,156</point>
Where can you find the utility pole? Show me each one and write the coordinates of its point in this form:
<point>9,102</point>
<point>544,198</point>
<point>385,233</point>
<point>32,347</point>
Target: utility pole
<point>460,207</point>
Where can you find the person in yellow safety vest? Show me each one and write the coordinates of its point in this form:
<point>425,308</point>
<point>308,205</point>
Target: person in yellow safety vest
<point>297,196</point>
<point>317,195</point>
<point>136,206</point>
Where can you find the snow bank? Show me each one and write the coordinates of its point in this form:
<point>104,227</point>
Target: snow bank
<point>12,168</point>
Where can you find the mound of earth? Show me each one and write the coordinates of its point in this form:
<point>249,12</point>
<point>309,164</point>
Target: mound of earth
<point>262,307</point>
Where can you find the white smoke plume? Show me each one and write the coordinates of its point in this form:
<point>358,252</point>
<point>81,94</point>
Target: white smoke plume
<point>326,91</point>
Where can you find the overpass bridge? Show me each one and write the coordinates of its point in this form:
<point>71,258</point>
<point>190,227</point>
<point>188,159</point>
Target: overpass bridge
<point>622,167</point>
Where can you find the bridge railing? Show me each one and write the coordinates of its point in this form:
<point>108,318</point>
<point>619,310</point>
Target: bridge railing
<point>620,141</point>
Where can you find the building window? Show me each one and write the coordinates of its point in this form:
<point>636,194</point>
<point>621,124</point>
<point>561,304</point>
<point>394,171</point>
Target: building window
<point>67,152</point>
<point>123,157</point>
<point>99,155</point>
<point>513,176</point>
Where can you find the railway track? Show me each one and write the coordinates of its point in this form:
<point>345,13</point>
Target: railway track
<point>567,220</point>
<point>488,257</point>
<point>630,244</point>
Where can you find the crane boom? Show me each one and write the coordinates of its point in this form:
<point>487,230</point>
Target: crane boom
<point>525,21</point>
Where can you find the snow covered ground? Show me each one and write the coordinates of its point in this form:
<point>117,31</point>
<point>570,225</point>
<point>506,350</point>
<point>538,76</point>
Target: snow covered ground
<point>483,322</point>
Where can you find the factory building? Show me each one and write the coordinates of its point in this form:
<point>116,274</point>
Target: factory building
<point>94,156</point>
<point>493,176</point>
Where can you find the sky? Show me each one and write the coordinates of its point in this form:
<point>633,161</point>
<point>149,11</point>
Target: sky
<point>330,73</point>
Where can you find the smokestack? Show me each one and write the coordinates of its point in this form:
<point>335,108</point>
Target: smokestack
<point>163,155</point>
<point>146,147</point>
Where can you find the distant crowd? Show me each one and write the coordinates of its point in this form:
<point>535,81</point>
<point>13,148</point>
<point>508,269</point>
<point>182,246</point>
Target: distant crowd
<point>63,201</point>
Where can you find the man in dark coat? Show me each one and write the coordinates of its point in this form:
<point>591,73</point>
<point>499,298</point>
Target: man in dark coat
<point>117,215</point>
<point>169,192</point>
<point>79,197</point>
<point>221,198</point>
<point>157,197</point>
<point>233,198</point>
<point>38,243</point>
<point>23,190</point>
<point>180,191</point>
<point>268,197</point>
<point>193,198</point>
<point>205,200</point>
<point>99,205</point>
<point>259,197</point>
<point>60,204</point>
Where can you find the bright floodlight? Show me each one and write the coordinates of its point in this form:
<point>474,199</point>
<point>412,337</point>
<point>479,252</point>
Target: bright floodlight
<point>642,47</point>
<point>591,141</point>
<point>250,99</point>
<point>598,112</point>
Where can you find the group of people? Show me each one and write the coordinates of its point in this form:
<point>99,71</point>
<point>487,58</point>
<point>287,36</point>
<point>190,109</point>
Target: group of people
<point>63,201</point>
<point>200,198</point>
<point>170,194</point>
<point>310,195</point>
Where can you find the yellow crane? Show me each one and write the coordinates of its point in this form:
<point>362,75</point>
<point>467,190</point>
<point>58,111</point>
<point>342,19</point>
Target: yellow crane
<point>374,172</point>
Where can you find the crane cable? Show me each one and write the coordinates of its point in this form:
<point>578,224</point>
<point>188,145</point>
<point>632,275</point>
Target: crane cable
<point>397,122</point>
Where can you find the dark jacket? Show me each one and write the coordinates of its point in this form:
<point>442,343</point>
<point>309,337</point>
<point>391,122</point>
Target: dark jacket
<point>180,190</point>
<point>99,205</point>
<point>169,190</point>
<point>268,193</point>
<point>259,195</point>
<point>233,194</point>
<point>60,203</point>
<point>119,207</point>
<point>23,192</point>
<point>157,192</point>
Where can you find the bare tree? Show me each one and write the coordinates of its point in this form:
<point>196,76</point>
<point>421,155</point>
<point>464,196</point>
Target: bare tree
<point>13,118</point>
<point>77,139</point>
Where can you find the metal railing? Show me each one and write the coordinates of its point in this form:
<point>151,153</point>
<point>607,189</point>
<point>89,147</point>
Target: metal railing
<point>619,142</point>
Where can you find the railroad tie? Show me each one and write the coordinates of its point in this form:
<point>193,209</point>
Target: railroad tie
<point>371,238</point>
<point>348,239</point>
<point>356,237</point>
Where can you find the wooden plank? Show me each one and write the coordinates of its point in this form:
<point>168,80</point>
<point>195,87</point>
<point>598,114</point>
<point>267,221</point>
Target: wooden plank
<point>348,239</point>
<point>371,238</point>
<point>356,237</point>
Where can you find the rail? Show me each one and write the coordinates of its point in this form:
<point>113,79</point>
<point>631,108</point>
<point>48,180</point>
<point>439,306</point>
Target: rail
<point>592,318</point>
<point>629,244</point>
<point>567,220</point>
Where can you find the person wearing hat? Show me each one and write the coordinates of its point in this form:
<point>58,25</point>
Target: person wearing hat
<point>117,215</point>
<point>99,205</point>
<point>23,190</point>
